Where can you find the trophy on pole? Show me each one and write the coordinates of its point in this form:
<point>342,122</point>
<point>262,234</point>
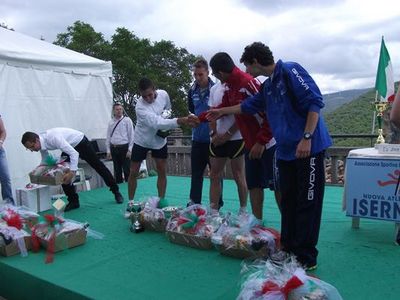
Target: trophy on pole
<point>384,86</point>
<point>380,107</point>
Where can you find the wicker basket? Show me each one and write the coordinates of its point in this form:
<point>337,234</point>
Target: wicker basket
<point>189,240</point>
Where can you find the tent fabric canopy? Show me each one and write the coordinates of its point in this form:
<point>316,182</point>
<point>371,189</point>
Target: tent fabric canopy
<point>44,86</point>
<point>19,50</point>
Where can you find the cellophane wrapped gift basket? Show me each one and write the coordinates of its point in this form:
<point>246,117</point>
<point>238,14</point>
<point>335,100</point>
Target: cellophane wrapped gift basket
<point>242,236</point>
<point>50,171</point>
<point>192,227</point>
<point>15,237</point>
<point>282,279</point>
<point>153,213</point>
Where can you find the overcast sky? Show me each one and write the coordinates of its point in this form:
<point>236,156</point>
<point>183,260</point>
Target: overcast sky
<point>338,43</point>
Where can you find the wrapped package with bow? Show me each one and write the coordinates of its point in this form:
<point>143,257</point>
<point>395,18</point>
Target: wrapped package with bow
<point>191,227</point>
<point>50,172</point>
<point>14,238</point>
<point>56,234</point>
<point>282,280</point>
<point>242,237</point>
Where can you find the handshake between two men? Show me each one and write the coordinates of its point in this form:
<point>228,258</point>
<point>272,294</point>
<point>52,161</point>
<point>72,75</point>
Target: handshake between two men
<point>193,121</point>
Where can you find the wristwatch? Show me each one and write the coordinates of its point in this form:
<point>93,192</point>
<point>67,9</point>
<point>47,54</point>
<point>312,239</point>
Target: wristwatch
<point>307,135</point>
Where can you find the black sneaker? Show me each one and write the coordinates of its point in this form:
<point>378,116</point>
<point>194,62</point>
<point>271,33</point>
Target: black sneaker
<point>118,197</point>
<point>190,203</point>
<point>397,242</point>
<point>220,203</point>
<point>279,256</point>
<point>71,205</point>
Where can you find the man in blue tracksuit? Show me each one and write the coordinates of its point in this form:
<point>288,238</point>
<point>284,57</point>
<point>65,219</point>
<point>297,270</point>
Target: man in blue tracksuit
<point>198,97</point>
<point>292,101</point>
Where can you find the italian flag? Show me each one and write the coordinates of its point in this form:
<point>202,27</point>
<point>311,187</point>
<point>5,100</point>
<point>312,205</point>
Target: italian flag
<point>384,84</point>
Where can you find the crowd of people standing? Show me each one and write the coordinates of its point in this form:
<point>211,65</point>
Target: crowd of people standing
<point>272,133</point>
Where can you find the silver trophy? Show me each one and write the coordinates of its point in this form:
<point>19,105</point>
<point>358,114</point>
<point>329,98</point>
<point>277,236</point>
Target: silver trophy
<point>135,209</point>
<point>166,114</point>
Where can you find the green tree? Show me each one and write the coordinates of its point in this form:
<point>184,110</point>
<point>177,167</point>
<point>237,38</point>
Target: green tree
<point>171,68</point>
<point>165,64</point>
<point>81,37</point>
<point>132,58</point>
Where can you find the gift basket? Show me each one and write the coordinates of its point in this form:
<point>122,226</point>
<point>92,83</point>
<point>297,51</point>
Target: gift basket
<point>152,214</point>
<point>50,172</point>
<point>282,280</point>
<point>56,234</point>
<point>14,237</point>
<point>241,236</point>
<point>156,213</point>
<point>192,227</point>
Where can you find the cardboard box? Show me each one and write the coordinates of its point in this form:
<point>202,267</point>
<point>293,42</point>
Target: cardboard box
<point>189,240</point>
<point>37,198</point>
<point>12,248</point>
<point>46,180</point>
<point>67,240</point>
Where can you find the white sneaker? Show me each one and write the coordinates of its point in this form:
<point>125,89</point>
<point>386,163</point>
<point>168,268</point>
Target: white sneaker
<point>214,212</point>
<point>258,222</point>
<point>242,211</point>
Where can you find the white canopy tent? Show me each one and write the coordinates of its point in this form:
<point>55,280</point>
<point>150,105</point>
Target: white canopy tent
<point>44,86</point>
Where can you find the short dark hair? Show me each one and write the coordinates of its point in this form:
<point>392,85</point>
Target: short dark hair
<point>258,51</point>
<point>117,104</point>
<point>222,62</point>
<point>145,84</point>
<point>200,63</point>
<point>29,137</point>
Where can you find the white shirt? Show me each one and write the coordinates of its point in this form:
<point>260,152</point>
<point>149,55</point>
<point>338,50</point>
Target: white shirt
<point>224,123</point>
<point>123,133</point>
<point>149,120</point>
<point>64,139</point>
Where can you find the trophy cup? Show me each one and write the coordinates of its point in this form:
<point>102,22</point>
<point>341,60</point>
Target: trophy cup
<point>380,107</point>
<point>166,114</point>
<point>135,209</point>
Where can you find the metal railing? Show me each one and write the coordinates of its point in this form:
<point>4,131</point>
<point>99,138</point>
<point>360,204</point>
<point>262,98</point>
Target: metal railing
<point>178,163</point>
<point>186,139</point>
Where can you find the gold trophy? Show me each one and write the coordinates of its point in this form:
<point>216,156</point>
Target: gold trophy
<point>380,107</point>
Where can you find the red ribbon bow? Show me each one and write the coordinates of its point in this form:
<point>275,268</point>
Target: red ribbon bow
<point>293,283</point>
<point>13,219</point>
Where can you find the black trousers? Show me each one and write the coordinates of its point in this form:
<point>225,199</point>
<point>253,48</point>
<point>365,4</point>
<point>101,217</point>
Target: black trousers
<point>199,160</point>
<point>87,153</point>
<point>302,184</point>
<point>120,161</point>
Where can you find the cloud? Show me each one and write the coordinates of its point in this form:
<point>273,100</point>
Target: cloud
<point>338,41</point>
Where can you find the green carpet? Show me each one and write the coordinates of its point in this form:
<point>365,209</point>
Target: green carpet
<point>362,264</point>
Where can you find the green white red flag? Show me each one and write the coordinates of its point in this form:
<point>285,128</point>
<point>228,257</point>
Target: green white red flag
<point>384,84</point>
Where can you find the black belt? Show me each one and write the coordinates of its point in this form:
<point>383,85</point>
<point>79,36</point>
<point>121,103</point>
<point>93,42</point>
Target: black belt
<point>118,146</point>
